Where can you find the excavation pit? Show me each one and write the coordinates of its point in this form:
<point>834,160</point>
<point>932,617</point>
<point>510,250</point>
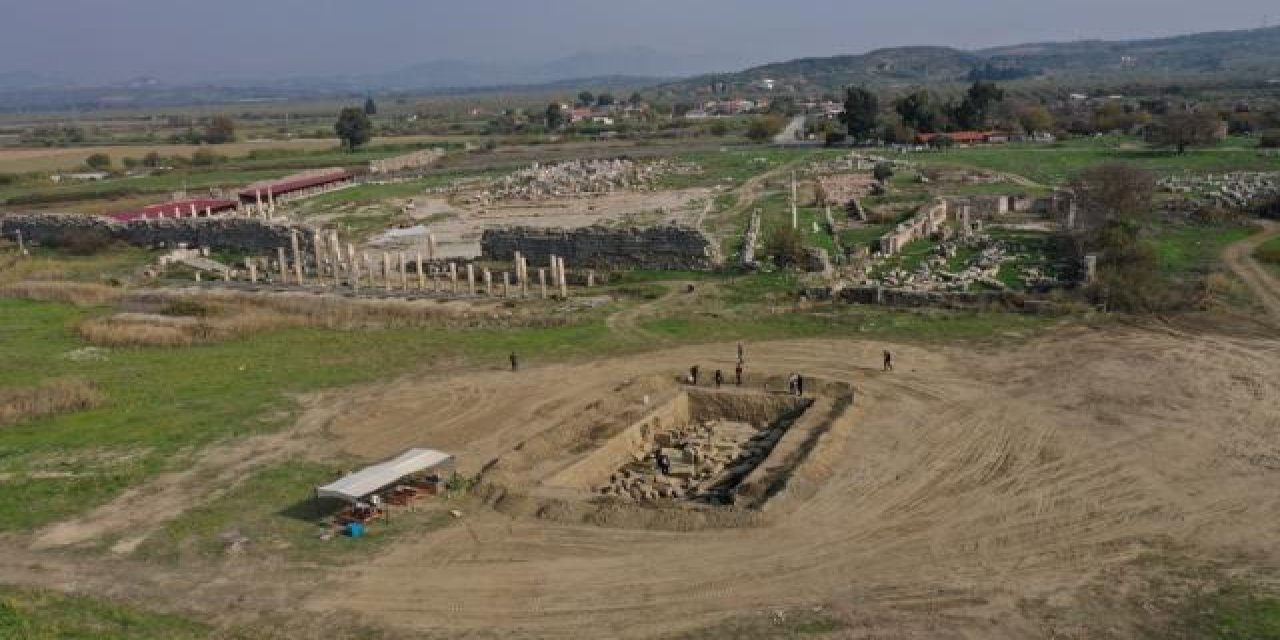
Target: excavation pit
<point>723,448</point>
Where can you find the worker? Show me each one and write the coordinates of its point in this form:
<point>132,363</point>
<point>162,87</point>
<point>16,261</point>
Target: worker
<point>791,384</point>
<point>737,372</point>
<point>742,354</point>
<point>693,375</point>
<point>888,361</point>
<point>719,378</point>
<point>664,464</point>
<point>515,362</point>
<point>799,385</point>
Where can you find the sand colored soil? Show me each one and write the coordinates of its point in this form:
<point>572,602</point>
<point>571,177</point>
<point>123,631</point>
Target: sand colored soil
<point>961,484</point>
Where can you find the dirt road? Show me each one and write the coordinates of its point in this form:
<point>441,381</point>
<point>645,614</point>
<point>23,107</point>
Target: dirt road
<point>1239,258</point>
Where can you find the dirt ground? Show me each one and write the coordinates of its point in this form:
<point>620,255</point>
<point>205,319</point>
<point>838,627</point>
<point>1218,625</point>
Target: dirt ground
<point>964,485</point>
<point>458,228</point>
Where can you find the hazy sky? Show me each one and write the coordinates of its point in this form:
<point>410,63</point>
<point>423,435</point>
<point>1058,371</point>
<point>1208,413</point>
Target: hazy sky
<point>185,40</point>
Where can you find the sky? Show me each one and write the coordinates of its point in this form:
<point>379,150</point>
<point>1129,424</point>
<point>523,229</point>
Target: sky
<point>109,41</point>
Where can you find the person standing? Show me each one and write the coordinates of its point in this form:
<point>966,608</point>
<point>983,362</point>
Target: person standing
<point>693,375</point>
<point>719,378</point>
<point>799,385</point>
<point>737,372</point>
<point>888,361</point>
<point>515,362</point>
<point>742,353</point>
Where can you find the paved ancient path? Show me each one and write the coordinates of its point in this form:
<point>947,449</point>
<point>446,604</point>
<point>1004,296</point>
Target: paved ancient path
<point>788,135</point>
<point>1239,257</point>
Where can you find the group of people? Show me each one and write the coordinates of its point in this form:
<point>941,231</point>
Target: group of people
<point>795,381</point>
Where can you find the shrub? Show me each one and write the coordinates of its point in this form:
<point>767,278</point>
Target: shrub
<point>1269,139</point>
<point>50,398</point>
<point>786,246</point>
<point>79,294</point>
<point>84,242</point>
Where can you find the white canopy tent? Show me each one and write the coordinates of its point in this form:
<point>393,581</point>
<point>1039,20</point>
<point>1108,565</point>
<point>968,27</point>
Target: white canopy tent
<point>356,486</point>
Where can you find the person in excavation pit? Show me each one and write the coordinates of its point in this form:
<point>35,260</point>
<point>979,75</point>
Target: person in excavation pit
<point>719,378</point>
<point>515,362</point>
<point>737,372</point>
<point>693,375</point>
<point>888,361</point>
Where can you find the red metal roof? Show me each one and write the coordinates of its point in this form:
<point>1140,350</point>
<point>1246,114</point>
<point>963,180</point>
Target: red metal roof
<point>287,185</point>
<point>175,209</point>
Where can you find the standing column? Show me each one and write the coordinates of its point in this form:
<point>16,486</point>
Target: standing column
<point>524,277</point>
<point>258,196</point>
<point>404,274</point>
<point>386,271</point>
<point>284,277</point>
<point>253,270</point>
<point>471,279</point>
<point>554,282</point>
<point>453,277</point>
<point>352,267</point>
<point>542,282</point>
<point>431,246</point>
<point>564,281</point>
<point>422,275</point>
<point>208,212</point>
<point>591,278</point>
<point>297,257</point>
<point>488,282</point>
<point>318,252</point>
<point>22,244</point>
<point>506,284</point>
<point>271,201</point>
<point>353,270</point>
<point>193,209</point>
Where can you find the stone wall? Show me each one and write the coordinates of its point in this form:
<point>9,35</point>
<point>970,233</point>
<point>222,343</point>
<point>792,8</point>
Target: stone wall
<point>1009,300</point>
<point>237,234</point>
<point>664,247</point>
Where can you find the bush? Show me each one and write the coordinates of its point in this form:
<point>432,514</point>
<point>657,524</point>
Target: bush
<point>883,172</point>
<point>786,246</point>
<point>1269,208</point>
<point>1269,139</point>
<point>98,161</point>
<point>1268,253</point>
<point>206,157</point>
<point>84,242</point>
<point>834,138</point>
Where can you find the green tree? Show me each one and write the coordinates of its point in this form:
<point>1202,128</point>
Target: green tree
<point>765,127</point>
<point>882,172</point>
<point>1034,118</point>
<point>635,99</point>
<point>1185,129</point>
<point>554,116</point>
<point>861,112</point>
<point>353,128</point>
<point>786,246</point>
<point>605,99</point>
<point>98,162</point>
<point>942,142</point>
<point>972,112</point>
<point>919,112</point>
<point>370,107</point>
<point>221,129</point>
<point>152,159</point>
<point>586,98</point>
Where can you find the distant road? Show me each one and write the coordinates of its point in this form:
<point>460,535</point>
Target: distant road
<point>792,134</point>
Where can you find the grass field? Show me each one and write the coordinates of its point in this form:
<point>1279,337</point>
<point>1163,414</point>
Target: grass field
<point>30,614</point>
<point>1193,248</point>
<point>1268,253</point>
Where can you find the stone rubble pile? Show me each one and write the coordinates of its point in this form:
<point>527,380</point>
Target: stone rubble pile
<point>707,461</point>
<point>580,178</point>
<point>983,268</point>
<point>1233,190</point>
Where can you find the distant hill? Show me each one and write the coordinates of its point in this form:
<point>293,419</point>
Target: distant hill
<point>1253,54</point>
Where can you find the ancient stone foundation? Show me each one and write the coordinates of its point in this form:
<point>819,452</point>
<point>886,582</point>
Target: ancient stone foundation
<point>241,234</point>
<point>667,247</point>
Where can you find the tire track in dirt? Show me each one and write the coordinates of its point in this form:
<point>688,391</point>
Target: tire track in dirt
<point>1239,258</point>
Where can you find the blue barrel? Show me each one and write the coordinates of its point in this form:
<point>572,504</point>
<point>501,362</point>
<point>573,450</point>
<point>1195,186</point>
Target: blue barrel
<point>355,529</point>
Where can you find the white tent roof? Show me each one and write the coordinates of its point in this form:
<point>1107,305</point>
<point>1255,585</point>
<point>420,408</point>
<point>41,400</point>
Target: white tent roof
<point>369,479</point>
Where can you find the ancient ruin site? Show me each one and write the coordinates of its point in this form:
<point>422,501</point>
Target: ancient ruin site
<point>918,343</point>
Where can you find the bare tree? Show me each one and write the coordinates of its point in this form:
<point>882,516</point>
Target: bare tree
<point>1185,129</point>
<point>1112,193</point>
